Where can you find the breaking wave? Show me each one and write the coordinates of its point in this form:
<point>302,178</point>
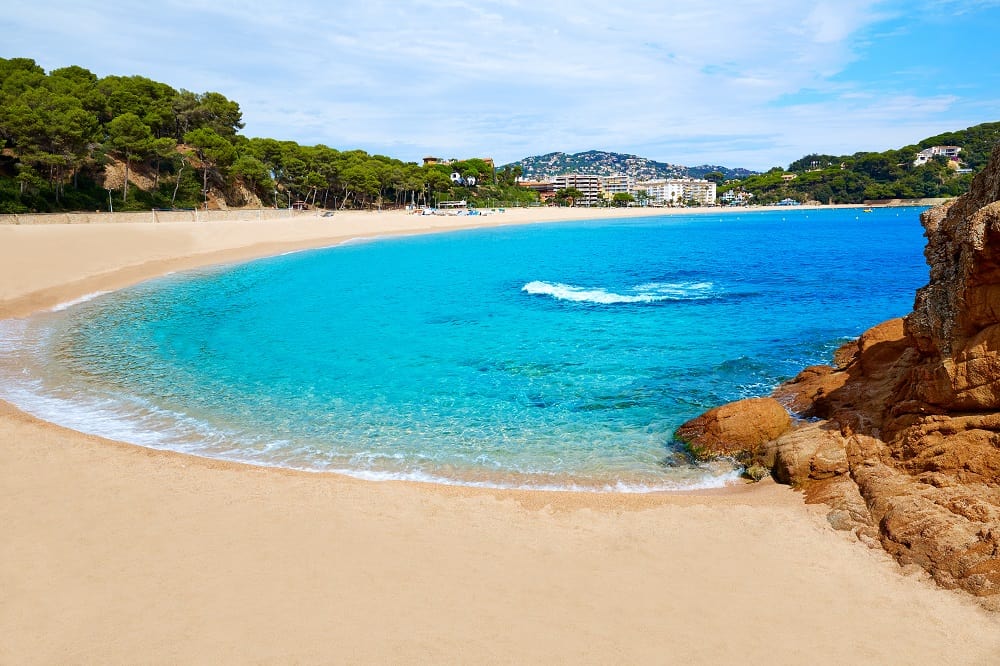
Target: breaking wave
<point>650,292</point>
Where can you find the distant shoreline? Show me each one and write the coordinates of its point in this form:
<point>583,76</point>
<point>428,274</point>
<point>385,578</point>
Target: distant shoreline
<point>547,212</point>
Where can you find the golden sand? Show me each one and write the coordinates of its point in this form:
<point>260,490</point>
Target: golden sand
<point>116,554</point>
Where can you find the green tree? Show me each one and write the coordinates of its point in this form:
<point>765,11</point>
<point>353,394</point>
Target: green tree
<point>254,172</point>
<point>131,137</point>
<point>622,199</point>
<point>49,130</point>
<point>214,151</point>
<point>568,196</point>
<point>360,183</point>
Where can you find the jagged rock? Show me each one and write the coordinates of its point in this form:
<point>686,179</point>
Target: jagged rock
<point>803,393</point>
<point>905,442</point>
<point>738,429</point>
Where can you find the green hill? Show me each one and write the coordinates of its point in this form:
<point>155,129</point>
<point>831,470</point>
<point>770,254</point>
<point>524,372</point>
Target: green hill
<point>601,163</point>
<point>72,141</point>
<point>867,176</point>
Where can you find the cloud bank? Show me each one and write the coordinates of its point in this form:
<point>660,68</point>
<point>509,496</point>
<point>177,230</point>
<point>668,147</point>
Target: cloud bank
<point>754,83</point>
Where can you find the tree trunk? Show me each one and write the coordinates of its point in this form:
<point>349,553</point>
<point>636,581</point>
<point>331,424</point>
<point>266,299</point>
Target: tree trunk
<point>128,159</point>
<point>176,185</point>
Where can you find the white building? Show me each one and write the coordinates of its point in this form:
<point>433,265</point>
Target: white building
<point>925,155</point>
<point>662,192</point>
<point>670,191</point>
<point>737,198</point>
<point>702,191</point>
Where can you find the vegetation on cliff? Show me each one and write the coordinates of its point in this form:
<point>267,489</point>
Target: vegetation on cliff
<point>73,141</point>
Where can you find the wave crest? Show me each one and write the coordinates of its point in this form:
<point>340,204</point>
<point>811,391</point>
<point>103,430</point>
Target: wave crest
<point>650,292</point>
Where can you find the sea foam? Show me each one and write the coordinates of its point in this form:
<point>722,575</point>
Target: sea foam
<point>650,292</point>
<point>77,301</point>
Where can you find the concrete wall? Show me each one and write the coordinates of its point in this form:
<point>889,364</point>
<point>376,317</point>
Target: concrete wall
<point>157,216</point>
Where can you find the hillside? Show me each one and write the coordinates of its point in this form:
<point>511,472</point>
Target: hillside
<point>873,176</point>
<point>601,163</point>
<point>70,140</point>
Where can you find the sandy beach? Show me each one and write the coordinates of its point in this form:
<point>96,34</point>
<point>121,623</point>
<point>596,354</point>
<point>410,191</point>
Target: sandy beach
<point>113,553</point>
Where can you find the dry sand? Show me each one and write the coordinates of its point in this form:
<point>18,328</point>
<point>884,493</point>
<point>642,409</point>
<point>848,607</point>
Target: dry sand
<point>117,554</point>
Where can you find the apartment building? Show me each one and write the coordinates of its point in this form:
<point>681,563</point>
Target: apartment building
<point>668,191</point>
<point>589,185</point>
<point>702,191</point>
<point>612,185</point>
<point>662,192</point>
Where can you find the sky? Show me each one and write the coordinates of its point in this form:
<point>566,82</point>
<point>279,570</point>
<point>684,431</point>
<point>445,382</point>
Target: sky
<point>753,83</point>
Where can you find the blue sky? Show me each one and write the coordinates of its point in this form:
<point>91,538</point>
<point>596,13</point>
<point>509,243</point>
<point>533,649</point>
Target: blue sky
<point>755,83</point>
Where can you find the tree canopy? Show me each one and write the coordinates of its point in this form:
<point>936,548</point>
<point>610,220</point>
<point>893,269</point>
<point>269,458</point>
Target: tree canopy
<point>865,176</point>
<point>60,131</point>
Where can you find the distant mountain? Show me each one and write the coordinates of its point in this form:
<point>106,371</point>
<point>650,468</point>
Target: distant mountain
<point>601,163</point>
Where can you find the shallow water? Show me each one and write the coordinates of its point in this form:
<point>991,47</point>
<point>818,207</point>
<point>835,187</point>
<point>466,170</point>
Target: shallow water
<point>552,356</point>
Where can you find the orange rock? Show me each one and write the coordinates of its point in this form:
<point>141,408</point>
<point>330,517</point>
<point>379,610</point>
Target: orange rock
<point>737,429</point>
<point>909,420</point>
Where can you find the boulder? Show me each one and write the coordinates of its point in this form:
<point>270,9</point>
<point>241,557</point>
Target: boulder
<point>739,429</point>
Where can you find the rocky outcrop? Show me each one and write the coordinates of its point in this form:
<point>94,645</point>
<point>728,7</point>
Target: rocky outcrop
<point>903,435</point>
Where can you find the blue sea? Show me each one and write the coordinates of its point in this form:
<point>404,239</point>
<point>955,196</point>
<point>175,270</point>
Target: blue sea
<point>555,356</point>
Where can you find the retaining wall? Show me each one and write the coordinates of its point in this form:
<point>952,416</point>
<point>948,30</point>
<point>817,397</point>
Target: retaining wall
<point>153,216</point>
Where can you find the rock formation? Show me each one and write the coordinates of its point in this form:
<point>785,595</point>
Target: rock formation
<point>739,428</point>
<point>902,438</point>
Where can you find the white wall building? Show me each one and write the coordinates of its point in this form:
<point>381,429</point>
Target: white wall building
<point>925,155</point>
<point>702,191</point>
<point>662,192</point>
<point>668,191</point>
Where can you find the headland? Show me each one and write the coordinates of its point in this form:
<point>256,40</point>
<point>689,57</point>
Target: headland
<point>899,438</point>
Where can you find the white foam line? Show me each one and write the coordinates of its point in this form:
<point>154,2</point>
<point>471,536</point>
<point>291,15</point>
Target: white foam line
<point>707,483</point>
<point>97,418</point>
<point>76,301</point>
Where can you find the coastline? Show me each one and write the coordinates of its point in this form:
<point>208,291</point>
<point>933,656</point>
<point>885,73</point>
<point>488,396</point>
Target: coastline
<point>118,553</point>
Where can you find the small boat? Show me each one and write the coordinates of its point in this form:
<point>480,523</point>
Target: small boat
<point>867,210</point>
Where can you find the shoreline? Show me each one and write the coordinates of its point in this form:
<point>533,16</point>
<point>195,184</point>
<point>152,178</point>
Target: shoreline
<point>115,552</point>
<point>400,224</point>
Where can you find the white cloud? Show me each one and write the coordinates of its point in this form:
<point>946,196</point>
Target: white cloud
<point>505,78</point>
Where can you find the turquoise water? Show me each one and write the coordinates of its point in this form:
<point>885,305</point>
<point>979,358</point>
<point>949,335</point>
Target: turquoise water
<point>547,356</point>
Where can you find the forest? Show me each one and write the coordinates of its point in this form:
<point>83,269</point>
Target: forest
<point>874,176</point>
<point>70,140</point>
